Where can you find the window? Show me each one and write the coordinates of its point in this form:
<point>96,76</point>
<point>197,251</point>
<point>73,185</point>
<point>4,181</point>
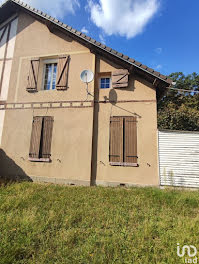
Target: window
<point>41,137</point>
<point>55,74</point>
<point>105,83</point>
<point>50,75</point>
<point>123,141</point>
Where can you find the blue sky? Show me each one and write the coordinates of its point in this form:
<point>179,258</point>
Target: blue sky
<point>163,34</point>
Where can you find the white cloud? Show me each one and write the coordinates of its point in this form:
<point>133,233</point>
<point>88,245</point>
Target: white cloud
<point>159,67</point>
<point>55,8</point>
<point>84,30</point>
<point>158,50</point>
<point>124,17</point>
<point>102,39</point>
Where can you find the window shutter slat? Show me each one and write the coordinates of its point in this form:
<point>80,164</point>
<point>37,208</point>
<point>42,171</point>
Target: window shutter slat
<point>47,137</point>
<point>116,139</point>
<point>120,78</point>
<point>62,72</point>
<point>35,137</point>
<point>130,140</point>
<point>33,75</point>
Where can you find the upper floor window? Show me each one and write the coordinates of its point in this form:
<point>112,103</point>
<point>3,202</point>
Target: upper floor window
<point>50,75</point>
<point>105,83</point>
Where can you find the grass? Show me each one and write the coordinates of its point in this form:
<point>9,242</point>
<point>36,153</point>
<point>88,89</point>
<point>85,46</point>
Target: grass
<point>57,224</point>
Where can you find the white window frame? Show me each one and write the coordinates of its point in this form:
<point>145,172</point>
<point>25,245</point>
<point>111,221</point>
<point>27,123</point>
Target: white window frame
<point>105,77</point>
<point>45,62</point>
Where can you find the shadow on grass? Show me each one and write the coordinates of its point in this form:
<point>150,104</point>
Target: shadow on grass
<point>10,171</point>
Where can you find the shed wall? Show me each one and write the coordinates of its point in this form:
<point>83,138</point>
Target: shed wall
<point>179,158</point>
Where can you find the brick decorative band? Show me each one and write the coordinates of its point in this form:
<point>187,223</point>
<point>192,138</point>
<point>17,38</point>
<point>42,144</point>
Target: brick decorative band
<point>66,104</point>
<point>63,104</point>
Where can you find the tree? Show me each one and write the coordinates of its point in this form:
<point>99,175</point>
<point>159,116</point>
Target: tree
<point>179,110</point>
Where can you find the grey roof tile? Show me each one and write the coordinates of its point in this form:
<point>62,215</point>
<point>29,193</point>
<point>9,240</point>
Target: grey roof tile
<point>125,57</point>
<point>108,49</point>
<point>97,43</point>
<point>157,73</point>
<point>138,63</point>
<point>150,70</point>
<point>163,77</point>
<point>120,54</point>
<point>114,51</point>
<point>144,67</point>
<point>131,60</point>
<point>90,40</point>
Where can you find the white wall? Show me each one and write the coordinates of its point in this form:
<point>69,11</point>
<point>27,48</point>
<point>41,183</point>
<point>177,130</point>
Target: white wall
<point>6,56</point>
<point>179,158</point>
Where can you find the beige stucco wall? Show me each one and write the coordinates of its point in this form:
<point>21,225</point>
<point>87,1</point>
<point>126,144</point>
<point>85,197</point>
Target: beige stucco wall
<point>147,172</point>
<point>143,105</point>
<point>138,88</point>
<point>71,146</point>
<point>35,40</point>
<point>73,128</point>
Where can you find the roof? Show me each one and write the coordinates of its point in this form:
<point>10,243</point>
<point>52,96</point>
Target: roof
<point>9,7</point>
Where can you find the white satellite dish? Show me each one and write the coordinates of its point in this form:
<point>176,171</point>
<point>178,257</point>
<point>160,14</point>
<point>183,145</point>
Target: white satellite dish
<point>87,76</point>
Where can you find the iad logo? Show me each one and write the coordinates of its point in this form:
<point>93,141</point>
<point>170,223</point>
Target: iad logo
<point>191,251</point>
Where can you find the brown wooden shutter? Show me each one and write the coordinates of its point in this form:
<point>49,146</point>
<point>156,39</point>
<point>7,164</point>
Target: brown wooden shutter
<point>33,75</point>
<point>120,78</point>
<point>46,137</point>
<point>130,140</point>
<point>116,140</point>
<point>62,72</point>
<point>35,137</point>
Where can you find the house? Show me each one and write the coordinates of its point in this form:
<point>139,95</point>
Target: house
<point>54,129</point>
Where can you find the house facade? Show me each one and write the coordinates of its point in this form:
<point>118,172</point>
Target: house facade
<point>53,128</point>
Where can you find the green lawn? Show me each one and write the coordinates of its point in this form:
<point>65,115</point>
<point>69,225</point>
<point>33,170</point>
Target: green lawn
<point>57,224</point>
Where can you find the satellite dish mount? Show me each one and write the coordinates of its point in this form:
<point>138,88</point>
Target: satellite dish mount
<point>87,76</point>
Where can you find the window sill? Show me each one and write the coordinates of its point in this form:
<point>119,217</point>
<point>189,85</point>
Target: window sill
<point>124,164</point>
<point>39,160</point>
<point>45,90</point>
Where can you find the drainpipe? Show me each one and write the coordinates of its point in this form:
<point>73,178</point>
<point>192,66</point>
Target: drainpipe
<point>95,125</point>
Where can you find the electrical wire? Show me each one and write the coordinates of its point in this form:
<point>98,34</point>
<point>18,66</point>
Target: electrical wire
<point>182,90</point>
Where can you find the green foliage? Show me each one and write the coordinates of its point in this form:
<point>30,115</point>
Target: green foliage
<point>57,224</point>
<point>180,110</point>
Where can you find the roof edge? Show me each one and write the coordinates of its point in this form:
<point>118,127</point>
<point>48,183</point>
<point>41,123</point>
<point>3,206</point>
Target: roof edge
<point>93,42</point>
